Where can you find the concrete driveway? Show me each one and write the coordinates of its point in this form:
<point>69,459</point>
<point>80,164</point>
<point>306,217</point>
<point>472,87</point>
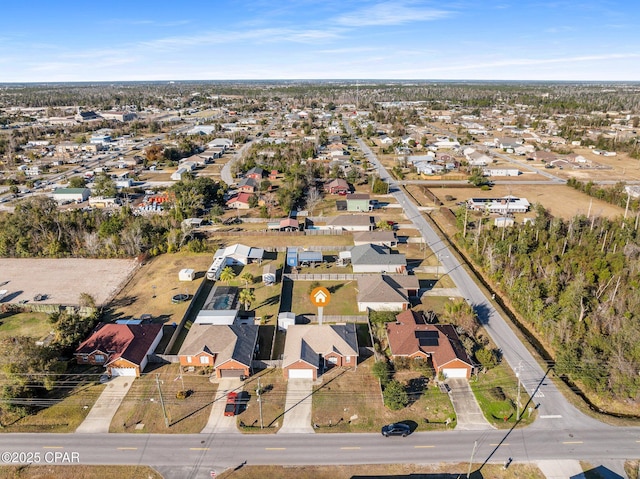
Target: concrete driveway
<point>468,413</point>
<point>297,409</point>
<point>218,422</point>
<point>102,412</point>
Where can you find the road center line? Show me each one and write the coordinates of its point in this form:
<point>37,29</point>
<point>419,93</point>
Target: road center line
<point>52,447</point>
<point>572,442</point>
<point>350,447</point>
<point>423,447</point>
<point>274,448</point>
<point>198,448</point>
<point>127,448</point>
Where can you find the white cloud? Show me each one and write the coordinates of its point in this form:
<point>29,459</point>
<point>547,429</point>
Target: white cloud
<point>390,13</point>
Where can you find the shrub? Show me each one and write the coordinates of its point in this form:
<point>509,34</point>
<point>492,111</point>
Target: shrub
<point>395,396</point>
<point>381,371</point>
<point>181,395</point>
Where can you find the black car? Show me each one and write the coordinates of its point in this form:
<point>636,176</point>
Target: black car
<point>397,429</point>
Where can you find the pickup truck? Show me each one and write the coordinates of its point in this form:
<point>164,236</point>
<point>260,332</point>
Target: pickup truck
<point>231,408</point>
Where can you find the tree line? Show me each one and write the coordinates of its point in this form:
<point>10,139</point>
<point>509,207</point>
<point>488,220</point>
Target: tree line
<point>575,284</point>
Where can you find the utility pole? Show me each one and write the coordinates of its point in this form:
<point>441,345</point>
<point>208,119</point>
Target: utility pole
<point>164,411</point>
<point>518,369</point>
<point>259,394</point>
<point>473,451</point>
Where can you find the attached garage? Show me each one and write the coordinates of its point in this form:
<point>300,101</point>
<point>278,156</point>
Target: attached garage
<point>232,373</point>
<point>301,373</point>
<point>123,372</point>
<point>455,373</point>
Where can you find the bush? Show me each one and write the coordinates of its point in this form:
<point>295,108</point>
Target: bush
<point>395,396</point>
<point>182,394</point>
<point>381,371</point>
<point>487,358</point>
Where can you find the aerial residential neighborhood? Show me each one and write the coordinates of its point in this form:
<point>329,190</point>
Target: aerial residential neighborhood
<point>240,240</point>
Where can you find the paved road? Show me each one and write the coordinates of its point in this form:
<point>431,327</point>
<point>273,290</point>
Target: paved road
<point>553,409</point>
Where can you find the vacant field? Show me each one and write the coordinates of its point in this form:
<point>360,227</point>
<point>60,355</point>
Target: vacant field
<point>275,241</point>
<point>34,325</point>
<point>562,201</point>
<point>78,472</point>
<point>151,289</point>
<point>141,411</point>
<point>351,401</point>
<point>62,280</point>
<point>398,471</point>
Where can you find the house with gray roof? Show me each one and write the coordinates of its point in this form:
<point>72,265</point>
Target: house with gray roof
<point>386,292</point>
<point>372,258</point>
<point>229,349</point>
<point>312,347</point>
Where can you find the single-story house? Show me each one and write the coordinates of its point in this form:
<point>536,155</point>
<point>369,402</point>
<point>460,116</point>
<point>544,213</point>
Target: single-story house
<point>256,173</point>
<point>248,185</point>
<point>240,254</point>
<point>504,206</point>
<point>412,337</point>
<point>386,292</point>
<point>337,185</point>
<point>377,237</point>
<point>179,173</point>
<point>229,349</point>
<point>372,258</point>
<point>310,347</point>
<point>239,201</point>
<point>123,349</point>
<point>352,223</point>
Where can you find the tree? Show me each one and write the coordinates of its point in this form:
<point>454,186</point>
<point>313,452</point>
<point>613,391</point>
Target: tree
<point>462,314</point>
<point>104,186</point>
<point>247,278</point>
<point>227,274</point>
<point>246,297</point>
<point>394,395</point>
<point>384,225</point>
<point>77,182</point>
<point>314,197</point>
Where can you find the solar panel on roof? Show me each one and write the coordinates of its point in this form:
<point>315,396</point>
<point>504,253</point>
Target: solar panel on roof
<point>427,338</point>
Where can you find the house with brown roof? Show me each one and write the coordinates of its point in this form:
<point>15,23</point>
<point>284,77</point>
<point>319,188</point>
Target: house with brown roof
<point>123,349</point>
<point>229,349</point>
<point>352,223</point>
<point>312,347</point>
<point>336,186</point>
<point>412,337</point>
<point>378,237</point>
<point>386,292</point>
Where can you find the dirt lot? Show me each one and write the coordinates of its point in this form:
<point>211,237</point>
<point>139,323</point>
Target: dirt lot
<point>62,280</point>
<point>560,200</point>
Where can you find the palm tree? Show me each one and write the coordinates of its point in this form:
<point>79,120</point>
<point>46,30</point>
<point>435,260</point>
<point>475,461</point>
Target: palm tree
<point>247,297</point>
<point>247,278</point>
<point>227,274</point>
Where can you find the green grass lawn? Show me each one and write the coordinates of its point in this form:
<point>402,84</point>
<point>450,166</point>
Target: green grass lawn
<point>34,325</point>
<point>496,392</point>
<point>343,298</point>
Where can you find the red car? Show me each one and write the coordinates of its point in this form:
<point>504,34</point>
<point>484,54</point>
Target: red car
<point>230,408</point>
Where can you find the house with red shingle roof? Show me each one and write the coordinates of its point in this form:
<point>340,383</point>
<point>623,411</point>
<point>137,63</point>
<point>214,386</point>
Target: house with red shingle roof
<point>123,349</point>
<point>412,337</point>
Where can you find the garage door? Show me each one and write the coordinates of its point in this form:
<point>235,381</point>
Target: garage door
<point>231,373</point>
<point>454,373</point>
<point>123,371</point>
<point>300,373</point>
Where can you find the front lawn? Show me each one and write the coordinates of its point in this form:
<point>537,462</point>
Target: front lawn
<point>496,392</point>
<point>274,393</point>
<point>141,410</point>
<point>351,401</point>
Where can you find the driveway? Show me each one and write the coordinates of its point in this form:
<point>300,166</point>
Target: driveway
<point>297,409</point>
<point>561,469</point>
<point>102,412</point>
<point>218,422</point>
<point>468,413</point>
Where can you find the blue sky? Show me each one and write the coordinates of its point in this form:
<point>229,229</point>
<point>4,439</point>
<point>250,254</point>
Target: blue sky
<point>46,40</point>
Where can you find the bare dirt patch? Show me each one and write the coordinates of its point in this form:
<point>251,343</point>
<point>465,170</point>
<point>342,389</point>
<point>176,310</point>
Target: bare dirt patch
<point>62,280</point>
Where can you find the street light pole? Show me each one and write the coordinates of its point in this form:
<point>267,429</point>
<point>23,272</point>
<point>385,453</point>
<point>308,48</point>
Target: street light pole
<point>259,393</point>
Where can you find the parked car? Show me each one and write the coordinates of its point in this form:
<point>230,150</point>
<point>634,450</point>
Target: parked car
<point>396,429</point>
<point>231,407</point>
